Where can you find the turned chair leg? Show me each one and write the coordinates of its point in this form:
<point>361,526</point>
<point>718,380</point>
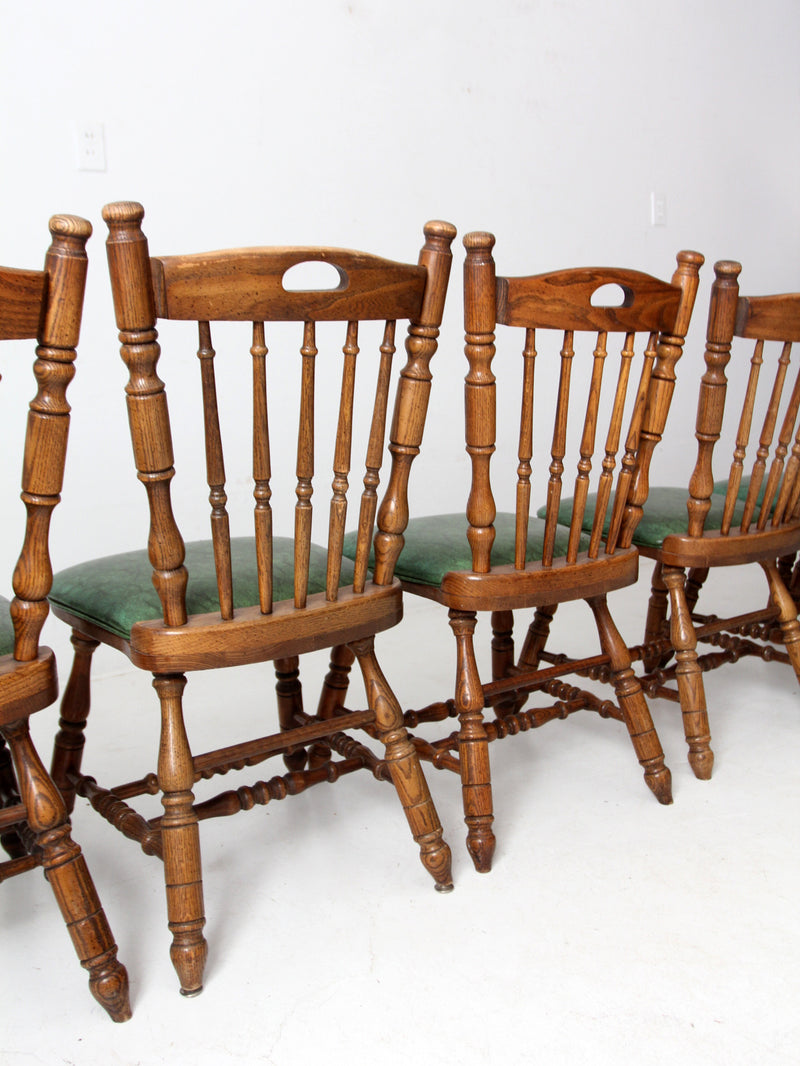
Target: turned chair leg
<point>180,839</point>
<point>694,585</point>
<point>689,676</point>
<point>787,614</point>
<point>75,706</point>
<point>656,625</point>
<point>793,584</point>
<point>289,694</point>
<point>66,871</point>
<point>503,658</point>
<point>632,703</point>
<point>473,745</point>
<point>536,637</point>
<point>404,767</point>
<point>10,840</point>
<point>331,699</point>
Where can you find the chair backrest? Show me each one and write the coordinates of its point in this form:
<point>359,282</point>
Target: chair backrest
<point>44,305</point>
<point>771,497</point>
<point>562,302</point>
<point>247,286</point>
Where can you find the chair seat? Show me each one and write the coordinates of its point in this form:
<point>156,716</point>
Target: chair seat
<point>436,545</point>
<point>116,592</point>
<point>6,628</point>
<point>664,514</point>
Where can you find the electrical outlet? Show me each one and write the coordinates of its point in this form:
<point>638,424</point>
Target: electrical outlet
<point>658,209</point>
<point>90,145</point>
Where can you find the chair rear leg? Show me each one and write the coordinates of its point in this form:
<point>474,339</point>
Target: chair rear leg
<point>180,839</point>
<point>787,614</point>
<point>331,699</point>
<point>694,585</point>
<point>656,625</point>
<point>691,689</point>
<point>75,706</point>
<point>473,745</point>
<point>536,637</point>
<point>10,840</point>
<point>632,703</point>
<point>793,584</point>
<point>66,871</point>
<point>404,767</point>
<point>289,693</point>
<point>503,658</point>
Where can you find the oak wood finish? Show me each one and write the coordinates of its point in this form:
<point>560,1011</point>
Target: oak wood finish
<point>46,306</point>
<point>623,420</point>
<point>246,285</point>
<point>765,532</point>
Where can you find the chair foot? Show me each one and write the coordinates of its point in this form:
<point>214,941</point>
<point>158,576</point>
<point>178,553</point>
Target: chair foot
<point>108,983</point>
<point>481,843</point>
<point>188,952</point>
<point>437,860</point>
<point>702,763</point>
<point>659,781</point>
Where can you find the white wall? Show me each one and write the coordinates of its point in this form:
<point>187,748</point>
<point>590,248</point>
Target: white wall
<point>547,121</point>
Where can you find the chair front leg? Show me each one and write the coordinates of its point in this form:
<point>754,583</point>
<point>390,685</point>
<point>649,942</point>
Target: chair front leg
<point>689,676</point>
<point>404,768</point>
<point>75,706</point>
<point>787,614</point>
<point>66,871</point>
<point>632,703</point>
<point>180,839</point>
<point>473,745</point>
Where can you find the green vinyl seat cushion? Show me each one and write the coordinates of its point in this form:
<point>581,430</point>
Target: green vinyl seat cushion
<point>665,513</point>
<point>437,544</point>
<point>6,628</point>
<point>116,591</point>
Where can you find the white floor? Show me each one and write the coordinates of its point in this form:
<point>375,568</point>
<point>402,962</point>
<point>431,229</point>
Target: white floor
<point>611,930</point>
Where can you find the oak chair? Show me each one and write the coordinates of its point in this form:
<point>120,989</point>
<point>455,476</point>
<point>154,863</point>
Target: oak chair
<point>751,515</point>
<point>498,561</point>
<point>34,826</point>
<point>230,600</point>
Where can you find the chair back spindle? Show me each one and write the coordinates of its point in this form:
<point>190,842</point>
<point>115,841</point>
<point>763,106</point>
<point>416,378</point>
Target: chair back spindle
<point>262,469</point>
<point>215,470</point>
<point>377,437</point>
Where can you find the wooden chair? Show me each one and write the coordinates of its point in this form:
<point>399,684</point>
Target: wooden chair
<point>34,826</point>
<point>750,516</point>
<point>235,600</point>
<point>495,561</point>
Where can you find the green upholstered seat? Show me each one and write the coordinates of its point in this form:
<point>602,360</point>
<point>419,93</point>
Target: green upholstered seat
<point>437,544</point>
<point>6,628</point>
<point>115,592</point>
<point>664,513</point>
